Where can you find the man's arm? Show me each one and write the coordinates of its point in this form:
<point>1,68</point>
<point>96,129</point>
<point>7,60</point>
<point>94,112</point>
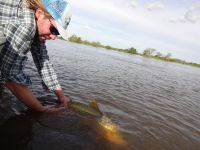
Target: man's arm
<point>25,95</point>
<point>46,71</point>
<point>61,97</point>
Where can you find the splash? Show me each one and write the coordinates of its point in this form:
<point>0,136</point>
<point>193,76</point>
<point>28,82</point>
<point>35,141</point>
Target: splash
<point>112,132</point>
<point>106,123</point>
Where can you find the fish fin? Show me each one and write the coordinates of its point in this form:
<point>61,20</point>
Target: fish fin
<point>93,103</point>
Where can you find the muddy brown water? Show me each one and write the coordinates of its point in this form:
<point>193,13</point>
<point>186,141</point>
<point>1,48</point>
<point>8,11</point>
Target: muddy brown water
<point>154,104</point>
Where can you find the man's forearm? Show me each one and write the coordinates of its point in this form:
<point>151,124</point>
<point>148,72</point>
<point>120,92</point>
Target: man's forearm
<point>61,97</point>
<point>24,94</point>
<point>59,92</point>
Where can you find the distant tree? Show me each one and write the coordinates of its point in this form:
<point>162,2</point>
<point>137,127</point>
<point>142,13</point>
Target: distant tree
<point>72,38</point>
<point>78,40</point>
<point>158,54</point>
<point>86,42</point>
<point>96,44</point>
<point>131,50</point>
<point>108,47</point>
<point>75,38</point>
<point>168,56</point>
<point>149,52</point>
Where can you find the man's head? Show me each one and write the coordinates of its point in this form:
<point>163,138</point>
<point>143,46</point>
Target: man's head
<point>52,17</point>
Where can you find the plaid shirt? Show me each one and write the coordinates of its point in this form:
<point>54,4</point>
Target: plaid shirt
<point>18,27</point>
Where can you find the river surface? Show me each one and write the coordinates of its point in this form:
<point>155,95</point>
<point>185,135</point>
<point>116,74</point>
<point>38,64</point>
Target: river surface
<point>154,104</point>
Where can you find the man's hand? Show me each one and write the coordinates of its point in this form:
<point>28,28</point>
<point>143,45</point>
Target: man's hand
<point>61,97</point>
<point>65,100</point>
<point>53,109</point>
<point>25,95</point>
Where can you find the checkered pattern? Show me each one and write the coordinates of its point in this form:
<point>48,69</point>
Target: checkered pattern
<point>17,23</point>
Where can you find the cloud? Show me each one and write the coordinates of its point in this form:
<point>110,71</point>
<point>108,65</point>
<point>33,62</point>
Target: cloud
<point>155,6</point>
<point>110,21</point>
<point>86,27</point>
<point>134,3</point>
<point>192,15</point>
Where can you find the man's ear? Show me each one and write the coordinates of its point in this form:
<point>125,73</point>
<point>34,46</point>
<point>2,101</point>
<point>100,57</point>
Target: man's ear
<point>39,13</point>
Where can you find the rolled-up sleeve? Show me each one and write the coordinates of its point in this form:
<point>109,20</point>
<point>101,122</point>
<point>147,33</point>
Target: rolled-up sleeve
<point>17,23</point>
<point>19,37</point>
<point>20,32</point>
<point>45,68</point>
<point>13,54</point>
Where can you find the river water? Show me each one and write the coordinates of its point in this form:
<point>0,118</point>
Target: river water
<point>154,104</point>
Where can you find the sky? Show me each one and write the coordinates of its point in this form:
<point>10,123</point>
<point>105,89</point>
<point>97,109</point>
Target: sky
<point>169,26</point>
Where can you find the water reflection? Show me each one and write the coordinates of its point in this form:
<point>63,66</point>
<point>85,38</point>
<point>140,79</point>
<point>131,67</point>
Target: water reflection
<point>15,133</point>
<point>154,104</point>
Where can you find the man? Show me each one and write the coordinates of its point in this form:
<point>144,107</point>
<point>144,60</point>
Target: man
<point>25,25</point>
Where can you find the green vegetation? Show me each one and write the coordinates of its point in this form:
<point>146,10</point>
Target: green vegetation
<point>148,52</point>
<point>130,50</point>
<point>77,39</point>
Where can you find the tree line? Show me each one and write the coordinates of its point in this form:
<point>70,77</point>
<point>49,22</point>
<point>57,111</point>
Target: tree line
<point>77,39</point>
<point>148,52</point>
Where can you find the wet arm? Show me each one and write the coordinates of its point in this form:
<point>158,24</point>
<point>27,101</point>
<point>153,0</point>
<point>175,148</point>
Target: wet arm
<point>46,71</point>
<point>24,94</point>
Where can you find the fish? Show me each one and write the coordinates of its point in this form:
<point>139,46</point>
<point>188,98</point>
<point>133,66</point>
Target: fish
<point>105,127</point>
<point>91,109</point>
<point>111,132</point>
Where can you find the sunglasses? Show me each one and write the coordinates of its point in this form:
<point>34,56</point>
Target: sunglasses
<point>54,31</point>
